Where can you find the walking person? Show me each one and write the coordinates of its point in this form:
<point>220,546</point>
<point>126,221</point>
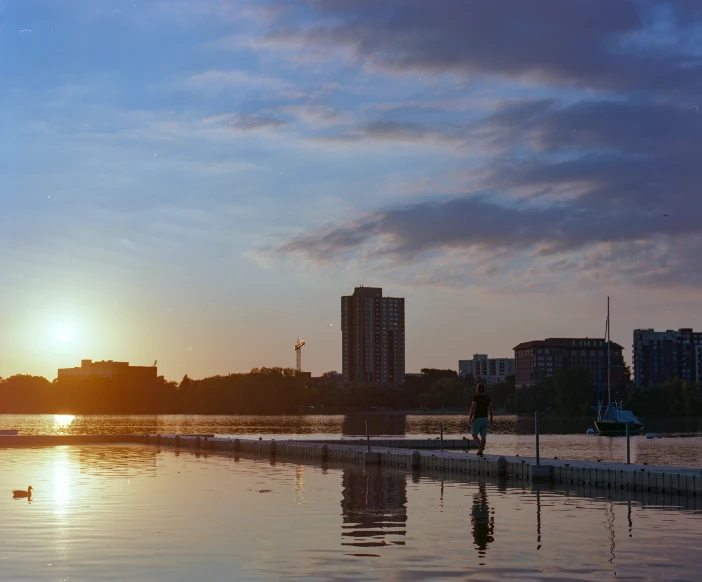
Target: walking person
<point>478,418</point>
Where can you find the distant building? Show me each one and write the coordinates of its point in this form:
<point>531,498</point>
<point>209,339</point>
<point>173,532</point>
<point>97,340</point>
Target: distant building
<point>109,369</point>
<point>663,355</point>
<point>487,370</point>
<point>333,381</point>
<point>543,358</point>
<point>373,337</point>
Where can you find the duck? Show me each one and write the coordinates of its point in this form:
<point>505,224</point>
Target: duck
<point>17,493</point>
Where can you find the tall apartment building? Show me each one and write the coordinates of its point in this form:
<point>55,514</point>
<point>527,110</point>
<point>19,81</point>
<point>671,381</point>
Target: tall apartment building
<point>373,337</point>
<point>662,355</point>
<point>487,370</point>
<point>543,358</point>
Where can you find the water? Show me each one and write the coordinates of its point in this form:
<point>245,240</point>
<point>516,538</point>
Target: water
<point>140,513</point>
<point>510,435</point>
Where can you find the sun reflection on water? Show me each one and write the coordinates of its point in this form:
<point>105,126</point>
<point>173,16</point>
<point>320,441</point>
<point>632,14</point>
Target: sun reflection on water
<point>62,422</point>
<point>61,483</point>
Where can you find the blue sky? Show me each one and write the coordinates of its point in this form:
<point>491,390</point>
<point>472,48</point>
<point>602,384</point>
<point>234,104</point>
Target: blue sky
<point>198,182</point>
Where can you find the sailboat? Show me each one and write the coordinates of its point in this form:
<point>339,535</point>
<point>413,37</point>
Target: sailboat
<point>612,419</point>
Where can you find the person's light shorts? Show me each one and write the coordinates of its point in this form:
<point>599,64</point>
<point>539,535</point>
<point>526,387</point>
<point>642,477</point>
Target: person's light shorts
<point>480,426</point>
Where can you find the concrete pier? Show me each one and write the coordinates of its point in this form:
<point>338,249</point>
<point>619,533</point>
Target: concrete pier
<point>402,443</point>
<point>681,481</point>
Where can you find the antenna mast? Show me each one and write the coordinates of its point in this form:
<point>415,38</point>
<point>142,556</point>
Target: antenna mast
<point>609,359</point>
<point>298,353</point>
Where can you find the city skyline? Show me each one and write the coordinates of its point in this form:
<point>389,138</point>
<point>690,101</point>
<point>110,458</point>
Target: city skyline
<point>508,362</point>
<point>205,199</point>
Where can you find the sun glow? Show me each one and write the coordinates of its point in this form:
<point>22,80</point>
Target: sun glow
<point>64,333</point>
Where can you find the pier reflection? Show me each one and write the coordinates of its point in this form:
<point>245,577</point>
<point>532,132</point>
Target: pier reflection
<point>609,513</point>
<point>373,507</point>
<point>482,520</point>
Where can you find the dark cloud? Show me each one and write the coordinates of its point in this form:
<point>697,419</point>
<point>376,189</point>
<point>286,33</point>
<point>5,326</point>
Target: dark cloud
<point>602,44</point>
<point>328,242</point>
<point>637,127</point>
<point>570,179</point>
<point>639,156</point>
<point>525,243</point>
<point>477,222</point>
<point>577,184</point>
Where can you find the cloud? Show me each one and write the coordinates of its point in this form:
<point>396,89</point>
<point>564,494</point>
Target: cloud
<point>477,222</point>
<point>600,44</point>
<point>472,240</point>
<point>583,188</point>
<point>403,132</point>
<point>226,79</point>
<point>318,115</point>
<point>253,122</point>
<point>640,127</point>
<point>629,155</point>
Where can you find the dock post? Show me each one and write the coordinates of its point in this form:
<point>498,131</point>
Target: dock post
<point>628,448</point>
<point>536,431</point>
<point>441,434</point>
<point>368,437</point>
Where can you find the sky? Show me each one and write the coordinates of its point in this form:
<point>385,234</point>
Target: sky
<point>198,182</point>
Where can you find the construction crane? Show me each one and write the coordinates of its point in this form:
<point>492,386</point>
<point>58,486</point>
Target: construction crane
<point>298,353</point>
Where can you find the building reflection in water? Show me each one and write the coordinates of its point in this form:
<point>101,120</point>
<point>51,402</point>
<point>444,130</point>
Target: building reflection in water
<point>378,424</point>
<point>299,484</point>
<point>373,507</point>
<point>483,520</point>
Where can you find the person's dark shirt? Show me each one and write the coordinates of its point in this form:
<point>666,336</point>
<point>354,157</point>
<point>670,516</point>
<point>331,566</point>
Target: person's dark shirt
<point>482,401</point>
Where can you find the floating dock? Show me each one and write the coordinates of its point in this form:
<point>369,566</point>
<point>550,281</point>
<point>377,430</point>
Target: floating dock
<point>420,456</point>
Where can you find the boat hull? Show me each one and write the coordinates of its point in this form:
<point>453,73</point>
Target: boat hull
<point>613,428</point>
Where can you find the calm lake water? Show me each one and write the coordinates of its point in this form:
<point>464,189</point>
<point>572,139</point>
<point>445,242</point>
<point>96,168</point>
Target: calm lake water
<point>140,513</point>
<point>511,435</point>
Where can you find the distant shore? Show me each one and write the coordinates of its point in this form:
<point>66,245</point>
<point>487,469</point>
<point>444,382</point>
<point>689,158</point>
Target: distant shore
<point>420,412</point>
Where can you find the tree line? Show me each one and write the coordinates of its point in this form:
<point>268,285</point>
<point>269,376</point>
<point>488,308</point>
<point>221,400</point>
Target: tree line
<point>284,391</point>
<point>260,391</point>
<point>674,397</point>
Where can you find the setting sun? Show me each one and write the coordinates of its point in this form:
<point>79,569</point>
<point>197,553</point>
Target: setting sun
<point>64,333</point>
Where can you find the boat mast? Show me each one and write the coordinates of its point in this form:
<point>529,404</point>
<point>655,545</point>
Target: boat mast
<point>609,360</point>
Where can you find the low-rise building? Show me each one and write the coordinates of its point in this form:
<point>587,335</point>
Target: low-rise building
<point>486,370</point>
<point>543,358</point>
<point>109,369</point>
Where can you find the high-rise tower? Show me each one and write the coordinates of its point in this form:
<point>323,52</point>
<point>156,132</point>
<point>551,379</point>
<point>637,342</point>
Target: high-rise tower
<point>373,337</point>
